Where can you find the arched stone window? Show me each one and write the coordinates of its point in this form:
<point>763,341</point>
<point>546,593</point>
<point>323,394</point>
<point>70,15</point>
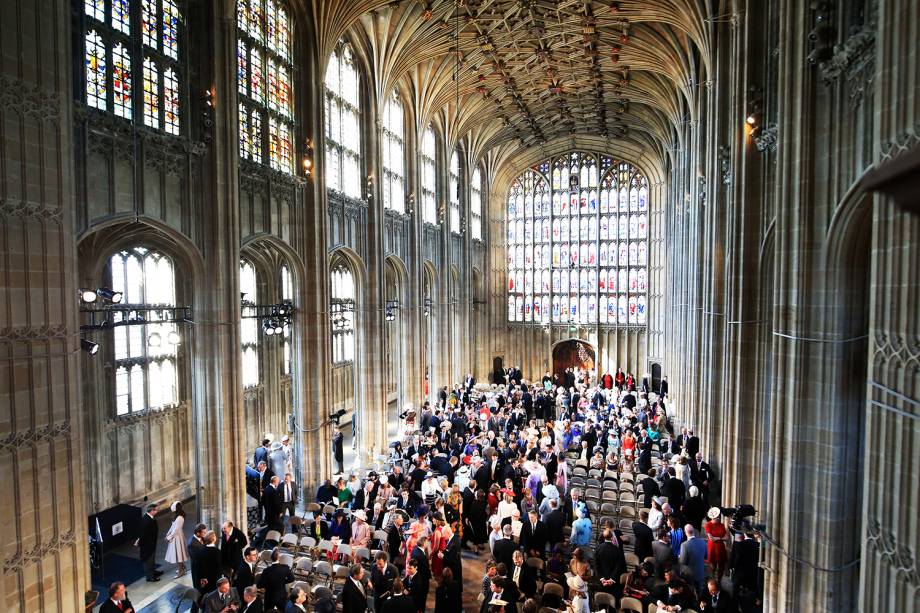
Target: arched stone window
<point>343,314</point>
<point>476,204</point>
<point>454,192</point>
<point>428,178</point>
<point>249,326</point>
<point>146,371</point>
<point>343,121</point>
<point>393,146</point>
<point>287,293</point>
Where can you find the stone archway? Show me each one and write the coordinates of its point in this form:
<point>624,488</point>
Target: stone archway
<point>571,353</point>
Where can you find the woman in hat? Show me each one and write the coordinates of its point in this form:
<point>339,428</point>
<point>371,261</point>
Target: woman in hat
<point>340,526</point>
<point>578,590</point>
<point>176,553</point>
<point>717,535</point>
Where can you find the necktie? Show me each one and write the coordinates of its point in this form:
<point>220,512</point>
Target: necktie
<point>121,606</point>
<point>287,493</point>
<point>517,575</point>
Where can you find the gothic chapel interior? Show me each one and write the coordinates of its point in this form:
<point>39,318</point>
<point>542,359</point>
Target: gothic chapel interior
<point>223,218</point>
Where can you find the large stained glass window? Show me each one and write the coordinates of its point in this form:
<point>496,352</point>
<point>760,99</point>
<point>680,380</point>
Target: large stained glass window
<point>577,230</point>
<point>454,192</point>
<point>264,67</point>
<point>343,133</point>
<point>476,204</point>
<point>392,143</point>
<point>146,372</point>
<point>428,174</point>
<point>113,34</point>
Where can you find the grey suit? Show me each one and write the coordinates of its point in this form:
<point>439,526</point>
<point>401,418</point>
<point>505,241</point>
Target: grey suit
<point>693,561</point>
<point>215,601</point>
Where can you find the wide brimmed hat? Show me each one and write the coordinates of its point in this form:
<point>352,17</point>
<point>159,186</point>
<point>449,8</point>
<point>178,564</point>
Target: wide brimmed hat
<point>577,583</point>
<point>359,514</point>
<point>714,513</point>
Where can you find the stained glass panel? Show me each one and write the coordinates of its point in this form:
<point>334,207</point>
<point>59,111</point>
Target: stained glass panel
<point>95,9</point>
<point>343,136</point>
<point>149,18</point>
<point>95,72</point>
<point>151,94</point>
<point>171,28</point>
<point>170,102</point>
<point>121,15</point>
<point>121,81</point>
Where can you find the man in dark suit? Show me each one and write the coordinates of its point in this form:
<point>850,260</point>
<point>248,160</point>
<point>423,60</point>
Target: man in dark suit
<point>195,548</point>
<point>394,536</point>
<point>274,580</point>
<point>117,601</point>
<point>714,599</point>
<point>417,583</point>
<point>265,478</point>
<point>271,501</point>
<point>232,543</point>
<point>287,492</point>
<point>399,602</point>
<point>222,599</point>
<point>483,476</point>
<point>452,557</point>
<point>650,488</point>
<point>662,552</point>
<point>674,489</point>
<point>644,537</point>
<point>743,563</point>
<point>523,576</point>
<point>251,601</point>
<point>382,577</point>
<point>354,597</point>
<point>504,548</point>
<point>610,562</point>
<point>533,535</point>
<point>246,571</point>
<point>555,522</point>
<point>147,542</point>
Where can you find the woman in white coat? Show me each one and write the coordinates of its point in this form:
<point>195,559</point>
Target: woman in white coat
<point>176,552</point>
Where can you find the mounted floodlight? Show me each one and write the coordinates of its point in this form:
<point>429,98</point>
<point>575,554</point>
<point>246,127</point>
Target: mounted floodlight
<point>89,346</point>
<point>173,338</point>
<point>109,294</point>
<point>88,295</point>
<point>154,340</point>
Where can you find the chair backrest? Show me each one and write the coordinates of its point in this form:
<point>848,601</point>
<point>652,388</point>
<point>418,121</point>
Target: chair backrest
<point>287,559</point>
<point>580,472</point>
<point>631,604</point>
<point>592,493</point>
<point>363,553</point>
<point>624,577</point>
<point>610,495</point>
<point>308,542</point>
<point>535,563</point>
<point>632,560</point>
<point>627,511</point>
<point>593,483</point>
<point>304,565</point>
<point>603,599</point>
<point>343,550</point>
<point>380,535</point>
<point>321,591</point>
<point>625,524</point>
<point>652,608</point>
<point>627,497</point>
<point>325,545</point>
<point>610,484</point>
<point>289,539</point>
<point>265,556</point>
<point>553,589</point>
<point>608,508</point>
<point>273,535</point>
<point>323,568</point>
<point>302,585</point>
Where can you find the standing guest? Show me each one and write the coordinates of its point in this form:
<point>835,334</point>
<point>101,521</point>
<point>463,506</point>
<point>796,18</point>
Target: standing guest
<point>271,502</point>
<point>338,450</point>
<point>176,552</point>
<point>288,453</point>
<point>232,543</point>
<point>661,551</point>
<point>448,595</point>
<point>644,536</point>
<point>295,604</point>
<point>533,535</point>
<point>246,571</point>
<point>261,453</point>
<point>288,496</point>
<point>578,590</point>
<point>693,559</point>
<point>676,536</point>
<point>399,602</point>
<point>274,580</point>
<point>717,556</point>
<point>354,598</point>
<point>224,599</point>
<point>523,576</point>
<point>610,562</point>
<point>452,554</point>
<point>504,547</point>
<point>581,529</point>
<point>394,536</point>
<point>251,601</point>
<point>195,548</point>
<point>147,543</point>
<point>383,575</point>
<point>417,585</point>
<point>117,601</point>
<point>209,563</point>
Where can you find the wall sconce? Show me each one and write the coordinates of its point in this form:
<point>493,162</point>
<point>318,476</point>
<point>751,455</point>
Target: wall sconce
<point>369,188</point>
<point>410,204</point>
<point>754,109</point>
<point>427,307</point>
<point>308,158</point>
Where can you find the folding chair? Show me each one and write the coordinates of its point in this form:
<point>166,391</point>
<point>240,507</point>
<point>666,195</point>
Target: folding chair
<point>289,542</point>
<point>609,496</point>
<point>307,544</point>
<point>323,569</point>
<point>605,600</point>
<point>286,559</point>
<point>608,508</point>
<point>593,483</point>
<point>303,567</point>
<point>627,511</point>
<point>631,604</point>
<point>632,560</point>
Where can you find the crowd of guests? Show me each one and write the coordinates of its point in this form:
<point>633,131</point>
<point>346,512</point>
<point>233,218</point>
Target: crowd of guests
<point>504,472</point>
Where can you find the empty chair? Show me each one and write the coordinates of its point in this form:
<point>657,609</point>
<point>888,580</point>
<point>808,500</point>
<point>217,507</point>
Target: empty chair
<point>627,486</point>
<point>592,493</point>
<point>273,535</point>
<point>593,483</point>
<point>312,507</point>
<point>627,511</point>
<point>592,507</point>
<point>580,472</point>
<point>302,585</point>
<point>611,484</point>
<point>577,482</point>
<point>632,560</point>
<point>289,542</point>
<point>627,477</point>
<point>307,543</point>
<point>595,473</point>
<point>323,569</point>
<point>609,496</point>
<point>553,590</point>
<point>605,600</point>
<point>303,567</point>
<point>381,537</point>
<point>286,559</point>
<point>296,524</point>
<point>608,508</point>
<point>265,557</point>
<point>329,509</point>
<point>343,553</point>
<point>325,547</point>
<point>321,591</point>
<point>631,604</point>
<point>627,498</point>
<point>362,555</point>
<point>625,525</point>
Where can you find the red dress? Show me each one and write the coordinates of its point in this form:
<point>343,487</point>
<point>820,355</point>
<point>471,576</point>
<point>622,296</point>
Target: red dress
<point>716,531</point>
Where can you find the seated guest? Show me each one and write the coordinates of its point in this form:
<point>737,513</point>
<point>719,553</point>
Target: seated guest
<point>296,601</point>
<point>251,601</point>
<point>117,601</point>
<point>223,599</point>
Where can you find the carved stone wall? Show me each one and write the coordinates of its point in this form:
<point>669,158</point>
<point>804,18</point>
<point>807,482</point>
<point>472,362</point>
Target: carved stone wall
<point>43,542</point>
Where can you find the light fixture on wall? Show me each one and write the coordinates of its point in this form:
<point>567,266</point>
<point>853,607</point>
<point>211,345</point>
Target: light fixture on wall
<point>391,308</point>
<point>109,295</point>
<point>89,346</point>
<point>427,307</point>
<point>87,295</point>
<point>154,340</point>
<point>274,317</point>
<point>369,188</point>
<point>754,109</point>
<point>308,158</point>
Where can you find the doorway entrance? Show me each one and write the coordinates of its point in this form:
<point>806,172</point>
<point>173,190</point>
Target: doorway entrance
<point>571,354</point>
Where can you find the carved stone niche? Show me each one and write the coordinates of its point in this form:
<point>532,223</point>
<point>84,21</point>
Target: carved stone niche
<point>898,175</point>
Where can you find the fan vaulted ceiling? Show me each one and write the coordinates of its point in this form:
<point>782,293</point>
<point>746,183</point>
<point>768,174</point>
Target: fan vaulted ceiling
<point>531,71</point>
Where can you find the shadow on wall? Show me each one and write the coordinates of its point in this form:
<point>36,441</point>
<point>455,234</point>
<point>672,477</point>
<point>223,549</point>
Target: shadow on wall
<point>573,353</point>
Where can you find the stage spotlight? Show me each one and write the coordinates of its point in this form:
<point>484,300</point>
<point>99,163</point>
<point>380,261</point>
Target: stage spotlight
<point>89,346</point>
<point>87,295</point>
<point>269,328</point>
<point>154,340</point>
<point>173,338</point>
<point>110,295</point>
<point>278,327</point>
